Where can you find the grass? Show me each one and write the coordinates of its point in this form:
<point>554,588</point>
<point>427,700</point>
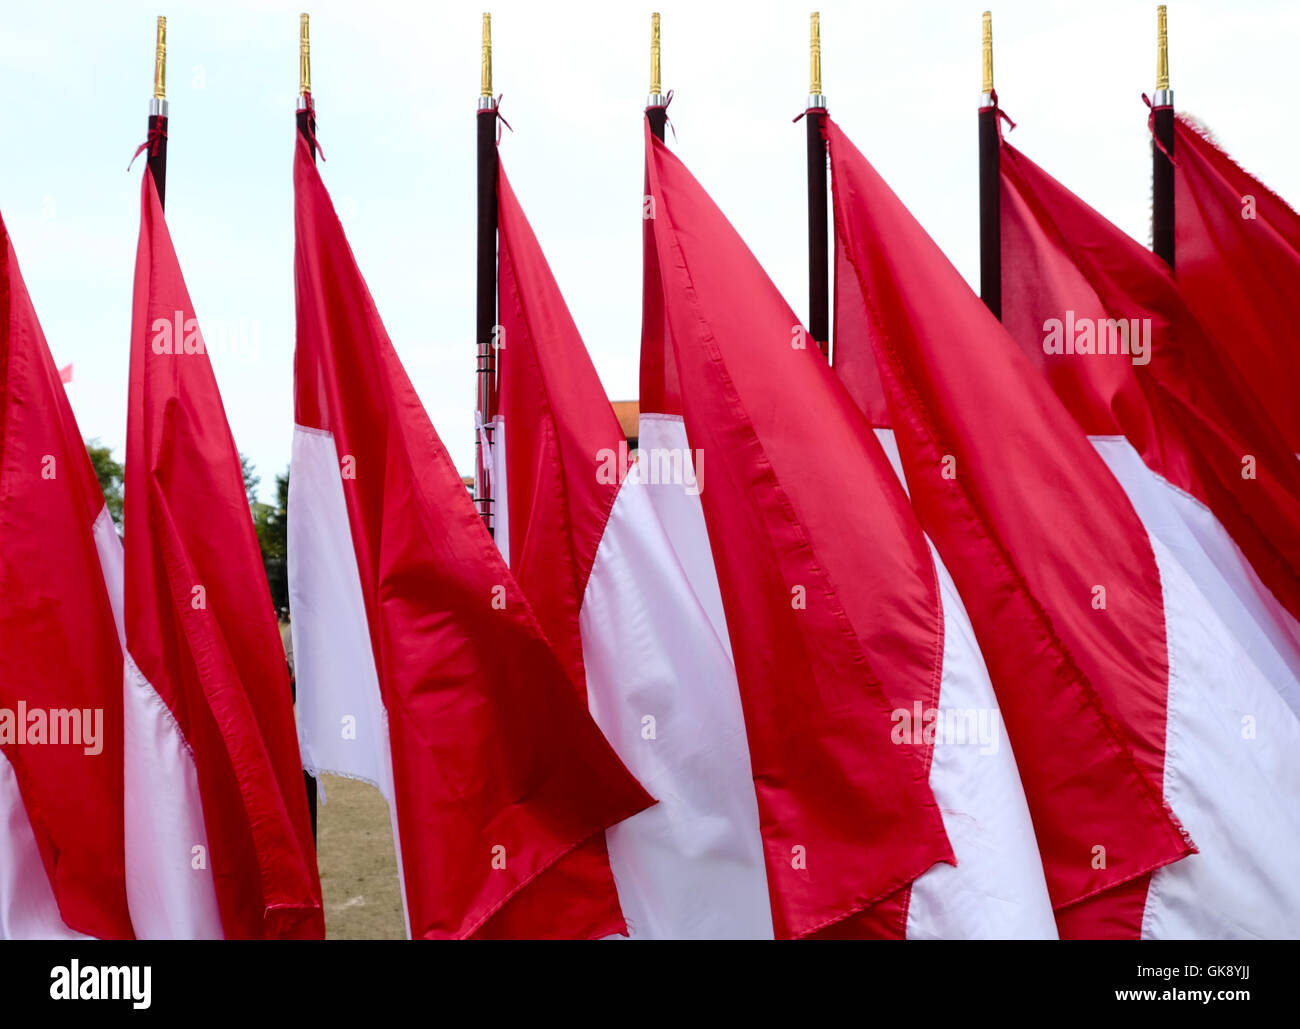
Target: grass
<point>358,865</point>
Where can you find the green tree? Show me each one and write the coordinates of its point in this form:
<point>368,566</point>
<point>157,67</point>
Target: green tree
<point>110,474</point>
<point>272,523</point>
<point>251,479</point>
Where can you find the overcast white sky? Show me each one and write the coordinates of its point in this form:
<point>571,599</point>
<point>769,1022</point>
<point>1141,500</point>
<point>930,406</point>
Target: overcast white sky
<point>396,86</point>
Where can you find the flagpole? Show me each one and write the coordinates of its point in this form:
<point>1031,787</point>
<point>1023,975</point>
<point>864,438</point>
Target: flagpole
<point>487,272</point>
<point>819,318</point>
<point>656,108</point>
<point>306,121</point>
<point>990,157</point>
<point>306,113</point>
<point>157,137</point>
<point>1162,168</point>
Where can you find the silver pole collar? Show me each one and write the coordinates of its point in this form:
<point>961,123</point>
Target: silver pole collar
<point>157,108</point>
<point>487,103</point>
<point>815,100</point>
<point>1163,98</point>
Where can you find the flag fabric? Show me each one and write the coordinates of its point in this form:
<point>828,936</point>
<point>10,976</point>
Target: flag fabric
<point>592,556</point>
<point>1156,759</point>
<point>1205,469</point>
<point>62,871</point>
<point>65,374</point>
<point>1237,259</point>
<point>421,667</point>
<point>847,639</point>
<point>218,840</point>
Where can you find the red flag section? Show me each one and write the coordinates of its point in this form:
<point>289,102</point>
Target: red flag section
<point>1237,259</point>
<point>61,813</point>
<point>824,650</point>
<point>202,637</point>
<point>407,622</point>
<point>1032,526</point>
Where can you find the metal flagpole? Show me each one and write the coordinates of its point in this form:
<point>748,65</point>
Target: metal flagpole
<point>157,137</point>
<point>1162,167</point>
<point>306,119</point>
<point>486,308</point>
<point>990,182</point>
<point>819,317</point>
<point>656,107</point>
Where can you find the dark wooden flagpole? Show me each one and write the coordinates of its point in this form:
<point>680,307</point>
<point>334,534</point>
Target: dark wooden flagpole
<point>486,307</point>
<point>819,280</point>
<point>306,120</point>
<point>1162,168</point>
<point>156,140</point>
<point>990,143</point>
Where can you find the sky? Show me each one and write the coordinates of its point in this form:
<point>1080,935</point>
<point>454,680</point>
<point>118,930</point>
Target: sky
<point>396,85</point>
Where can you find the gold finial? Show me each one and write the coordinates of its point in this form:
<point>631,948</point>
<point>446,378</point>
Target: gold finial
<point>487,55</point>
<point>815,55</point>
<point>988,52</point>
<point>1162,49</point>
<point>160,62</point>
<point>655,81</point>
<point>304,56</point>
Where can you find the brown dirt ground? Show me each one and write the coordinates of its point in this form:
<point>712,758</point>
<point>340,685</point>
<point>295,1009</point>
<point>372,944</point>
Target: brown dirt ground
<point>358,865</point>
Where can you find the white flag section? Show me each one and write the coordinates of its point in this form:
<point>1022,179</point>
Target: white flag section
<point>1212,560</point>
<point>342,722</point>
<point>662,687</point>
<point>997,889</point>
<point>1232,772</point>
<point>342,726</point>
<point>28,910</point>
<point>169,887</point>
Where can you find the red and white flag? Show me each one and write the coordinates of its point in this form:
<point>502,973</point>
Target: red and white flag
<point>852,654</point>
<point>616,602</point>
<point>421,667</point>
<point>62,873</point>
<point>1207,471</point>
<point>218,841</point>
<point>1143,731</point>
<point>1237,259</point>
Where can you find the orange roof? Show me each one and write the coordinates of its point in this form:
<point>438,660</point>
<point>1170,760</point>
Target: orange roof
<point>629,416</point>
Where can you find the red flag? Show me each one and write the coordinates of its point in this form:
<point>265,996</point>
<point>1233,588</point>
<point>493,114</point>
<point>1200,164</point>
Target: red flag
<point>407,620</point>
<point>61,813</point>
<point>200,632</point>
<point>832,599</point>
<point>1237,247</point>
<point>65,374</point>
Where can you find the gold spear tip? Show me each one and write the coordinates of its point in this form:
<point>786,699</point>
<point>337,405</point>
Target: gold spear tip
<point>1162,49</point>
<point>656,81</point>
<point>304,55</point>
<point>160,61</point>
<point>486,84</point>
<point>815,54</point>
<point>988,53</point>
